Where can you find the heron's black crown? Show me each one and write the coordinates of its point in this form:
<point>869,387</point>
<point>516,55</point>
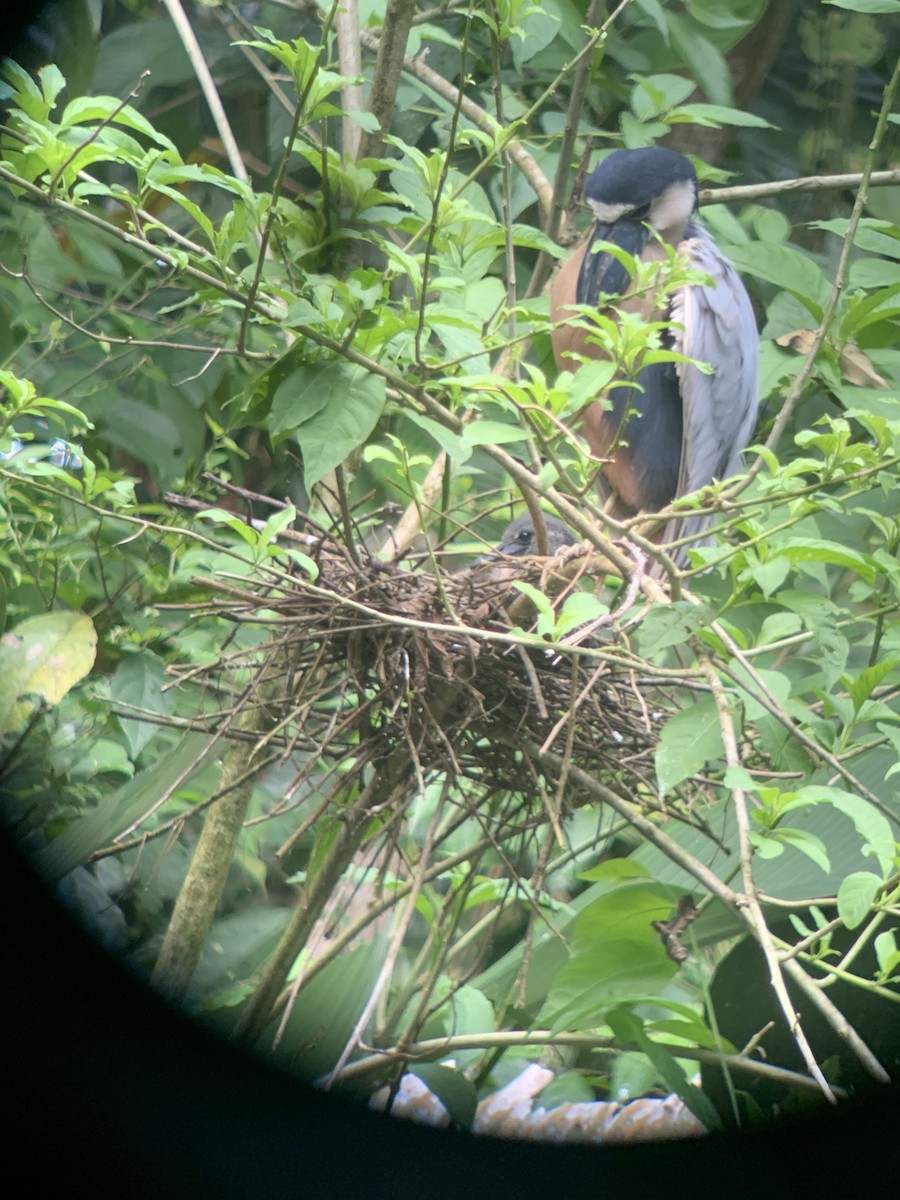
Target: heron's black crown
<point>635,178</point>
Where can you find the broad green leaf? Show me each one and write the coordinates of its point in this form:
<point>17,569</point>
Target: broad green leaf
<point>765,845</point>
<point>779,625</point>
<point>330,410</point>
<point>301,394</point>
<point>137,683</point>
<point>235,949</point>
<point>807,843</point>
<point>887,953</point>
<point>866,6</point>
<point>455,446</point>
<point>787,267</point>
<point>856,896</point>
<point>492,433</point>
<point>578,609</point>
<point>570,1087</point>
<point>613,871</point>
<point>706,63</point>
<point>40,660</point>
<point>656,94</point>
<point>872,826</point>
<point>328,1008</point>
<point>670,625</point>
<point>777,684</point>
<point>769,575</point>
<point>121,808</point>
<point>867,680</point>
<point>687,742</point>
<point>633,1075</point>
<point>104,108</point>
<point>629,1028</point>
<point>615,955</point>
<point>717,114</point>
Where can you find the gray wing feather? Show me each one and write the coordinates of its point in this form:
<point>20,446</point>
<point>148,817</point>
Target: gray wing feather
<point>720,410</point>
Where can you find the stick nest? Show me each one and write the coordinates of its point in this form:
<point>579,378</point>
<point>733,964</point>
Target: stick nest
<point>382,657</point>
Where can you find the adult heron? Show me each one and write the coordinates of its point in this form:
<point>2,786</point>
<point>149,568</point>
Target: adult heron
<point>680,428</point>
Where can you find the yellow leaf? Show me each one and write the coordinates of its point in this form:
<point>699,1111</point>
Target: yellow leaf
<point>40,660</point>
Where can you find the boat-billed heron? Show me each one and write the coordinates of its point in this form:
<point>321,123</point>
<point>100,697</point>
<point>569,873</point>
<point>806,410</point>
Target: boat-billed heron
<point>518,540</point>
<point>519,537</point>
<point>680,428</point>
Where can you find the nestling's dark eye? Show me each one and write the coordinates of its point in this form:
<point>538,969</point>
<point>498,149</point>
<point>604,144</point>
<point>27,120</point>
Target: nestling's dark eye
<point>523,536</point>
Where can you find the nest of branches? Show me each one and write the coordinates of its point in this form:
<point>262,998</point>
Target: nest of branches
<point>448,672</point>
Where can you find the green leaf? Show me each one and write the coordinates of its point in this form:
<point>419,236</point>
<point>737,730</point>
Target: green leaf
<point>765,844</point>
<point>809,550</point>
<point>615,955</point>
<point>328,1008</point>
<point>706,63</point>
<point>769,575</point>
<point>872,826</point>
<point>120,808</point>
<point>568,1088</point>
<point>329,410</point>
<point>867,680</point>
<point>866,6</point>
<point>887,954</point>
<point>777,684</point>
<point>104,108</point>
<point>777,626</point>
<point>40,660</point>
<point>614,870</point>
<point>451,443</point>
<point>138,683</point>
<point>629,1028</point>
<point>807,843</point>
<point>670,625</point>
<point>578,609</point>
<point>656,94</point>
<point>716,115</point>
<point>493,433</point>
<point>546,623</point>
<point>633,1074</point>
<point>787,267</point>
<point>856,896</point>
<point>687,742</point>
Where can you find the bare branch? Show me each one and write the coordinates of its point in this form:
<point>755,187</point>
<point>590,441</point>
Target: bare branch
<point>346,24</point>
<point>805,183</point>
<point>208,87</point>
<point>389,63</point>
<point>758,922</point>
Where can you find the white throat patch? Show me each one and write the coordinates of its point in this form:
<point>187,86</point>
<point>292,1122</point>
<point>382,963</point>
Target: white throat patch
<point>671,211</point>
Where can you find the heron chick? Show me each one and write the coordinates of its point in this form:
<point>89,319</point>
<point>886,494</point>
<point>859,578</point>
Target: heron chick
<point>520,539</point>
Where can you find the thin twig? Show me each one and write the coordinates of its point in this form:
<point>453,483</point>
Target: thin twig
<point>445,1047</point>
<point>208,87</point>
<point>758,922</point>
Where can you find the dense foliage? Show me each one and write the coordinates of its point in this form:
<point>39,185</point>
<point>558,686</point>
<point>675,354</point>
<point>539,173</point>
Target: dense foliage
<point>212,355</point>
